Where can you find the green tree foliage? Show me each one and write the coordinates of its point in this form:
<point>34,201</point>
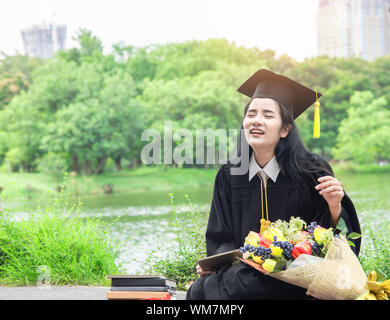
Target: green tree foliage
<point>82,108</point>
<point>101,124</point>
<point>89,45</point>
<point>22,123</point>
<point>78,113</point>
<point>337,79</point>
<point>364,136</point>
<point>195,85</point>
<point>381,71</point>
<point>15,75</point>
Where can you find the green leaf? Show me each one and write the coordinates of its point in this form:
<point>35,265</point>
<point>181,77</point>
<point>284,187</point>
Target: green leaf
<point>351,243</point>
<point>380,275</point>
<point>354,235</point>
<point>288,263</point>
<point>342,226</point>
<point>281,262</point>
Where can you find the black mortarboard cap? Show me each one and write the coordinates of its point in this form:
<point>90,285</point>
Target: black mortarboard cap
<point>267,84</point>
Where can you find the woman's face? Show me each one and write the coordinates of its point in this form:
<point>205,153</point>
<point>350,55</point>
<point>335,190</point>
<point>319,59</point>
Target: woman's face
<point>263,124</point>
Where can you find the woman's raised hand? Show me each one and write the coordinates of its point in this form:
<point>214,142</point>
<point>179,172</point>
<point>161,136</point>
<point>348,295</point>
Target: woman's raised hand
<point>332,191</point>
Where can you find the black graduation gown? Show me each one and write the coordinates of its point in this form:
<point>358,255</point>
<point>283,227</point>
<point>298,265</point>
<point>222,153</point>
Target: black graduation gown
<point>236,210</point>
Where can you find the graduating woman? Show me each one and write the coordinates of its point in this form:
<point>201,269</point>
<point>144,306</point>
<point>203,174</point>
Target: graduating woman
<point>282,179</point>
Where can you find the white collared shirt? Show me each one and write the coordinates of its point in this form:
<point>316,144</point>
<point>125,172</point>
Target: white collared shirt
<point>271,169</point>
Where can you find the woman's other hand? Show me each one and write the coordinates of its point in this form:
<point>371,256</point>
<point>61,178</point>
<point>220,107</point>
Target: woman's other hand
<point>201,272</point>
<point>332,191</point>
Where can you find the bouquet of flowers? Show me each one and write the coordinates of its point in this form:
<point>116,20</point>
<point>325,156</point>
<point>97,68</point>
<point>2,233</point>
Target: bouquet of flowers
<point>314,258</point>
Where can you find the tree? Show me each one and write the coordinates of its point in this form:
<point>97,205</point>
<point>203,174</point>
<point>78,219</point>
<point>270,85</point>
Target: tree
<point>364,136</point>
<point>77,112</point>
<point>89,45</point>
<point>101,123</point>
<point>381,71</point>
<point>15,75</point>
<point>22,126</point>
<point>337,79</point>
<point>82,106</point>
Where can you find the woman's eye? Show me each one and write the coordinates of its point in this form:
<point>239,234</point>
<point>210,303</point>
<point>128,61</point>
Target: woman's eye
<point>269,117</point>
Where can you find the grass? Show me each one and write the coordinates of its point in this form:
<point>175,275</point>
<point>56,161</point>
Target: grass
<point>55,246</point>
<point>137,180</point>
<point>375,250</point>
<point>181,260</point>
<point>349,167</point>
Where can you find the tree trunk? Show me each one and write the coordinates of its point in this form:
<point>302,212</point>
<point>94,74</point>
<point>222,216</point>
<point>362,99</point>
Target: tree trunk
<point>75,164</point>
<point>118,166</point>
<point>131,165</point>
<point>87,167</point>
<point>101,163</point>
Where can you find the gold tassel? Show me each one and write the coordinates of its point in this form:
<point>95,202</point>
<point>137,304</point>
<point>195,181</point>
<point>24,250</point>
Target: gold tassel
<point>316,129</point>
<point>264,225</point>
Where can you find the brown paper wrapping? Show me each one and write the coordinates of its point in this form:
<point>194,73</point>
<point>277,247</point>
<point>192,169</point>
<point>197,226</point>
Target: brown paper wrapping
<point>341,277</point>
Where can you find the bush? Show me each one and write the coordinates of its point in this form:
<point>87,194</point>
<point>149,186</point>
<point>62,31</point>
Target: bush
<point>180,262</point>
<point>375,251</point>
<point>52,163</point>
<point>55,241</point>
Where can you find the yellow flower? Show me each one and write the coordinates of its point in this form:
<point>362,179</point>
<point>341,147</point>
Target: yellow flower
<point>276,251</point>
<point>273,232</point>
<point>322,236</point>
<point>257,259</point>
<point>252,239</point>
<point>269,265</point>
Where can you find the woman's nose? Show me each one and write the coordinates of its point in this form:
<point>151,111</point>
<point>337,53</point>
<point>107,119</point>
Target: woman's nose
<point>257,120</point>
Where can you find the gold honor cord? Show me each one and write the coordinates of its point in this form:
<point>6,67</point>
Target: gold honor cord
<point>264,224</point>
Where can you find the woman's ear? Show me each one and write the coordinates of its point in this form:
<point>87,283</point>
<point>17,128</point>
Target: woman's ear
<point>285,131</point>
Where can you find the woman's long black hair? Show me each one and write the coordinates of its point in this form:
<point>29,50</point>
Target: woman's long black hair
<point>293,158</point>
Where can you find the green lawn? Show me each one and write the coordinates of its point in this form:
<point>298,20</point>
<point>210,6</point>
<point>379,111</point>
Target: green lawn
<point>137,180</point>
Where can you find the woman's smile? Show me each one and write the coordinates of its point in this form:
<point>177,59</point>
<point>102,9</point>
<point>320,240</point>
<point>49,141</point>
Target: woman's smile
<point>256,133</point>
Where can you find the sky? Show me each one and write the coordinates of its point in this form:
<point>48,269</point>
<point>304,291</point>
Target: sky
<point>285,26</point>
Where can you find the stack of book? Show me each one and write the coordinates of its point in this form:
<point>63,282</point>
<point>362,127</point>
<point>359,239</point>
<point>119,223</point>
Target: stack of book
<point>133,287</point>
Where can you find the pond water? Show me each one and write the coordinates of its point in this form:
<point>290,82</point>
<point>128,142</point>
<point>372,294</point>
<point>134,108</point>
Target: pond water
<point>140,221</point>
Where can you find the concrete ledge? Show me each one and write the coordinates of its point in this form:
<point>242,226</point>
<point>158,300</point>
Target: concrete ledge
<point>61,293</point>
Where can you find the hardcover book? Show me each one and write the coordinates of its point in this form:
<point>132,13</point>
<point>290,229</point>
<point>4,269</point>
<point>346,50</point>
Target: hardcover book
<point>135,295</point>
<point>131,287</point>
<point>144,288</point>
<point>141,281</point>
<point>213,263</point>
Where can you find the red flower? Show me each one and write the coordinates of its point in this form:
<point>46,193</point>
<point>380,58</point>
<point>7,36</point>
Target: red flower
<point>264,242</point>
<point>303,247</point>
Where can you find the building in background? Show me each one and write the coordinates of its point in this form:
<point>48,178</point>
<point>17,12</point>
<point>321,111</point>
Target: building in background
<point>354,28</point>
<point>44,40</point>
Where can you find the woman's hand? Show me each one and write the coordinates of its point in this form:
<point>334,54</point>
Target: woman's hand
<point>332,191</point>
<point>201,272</point>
